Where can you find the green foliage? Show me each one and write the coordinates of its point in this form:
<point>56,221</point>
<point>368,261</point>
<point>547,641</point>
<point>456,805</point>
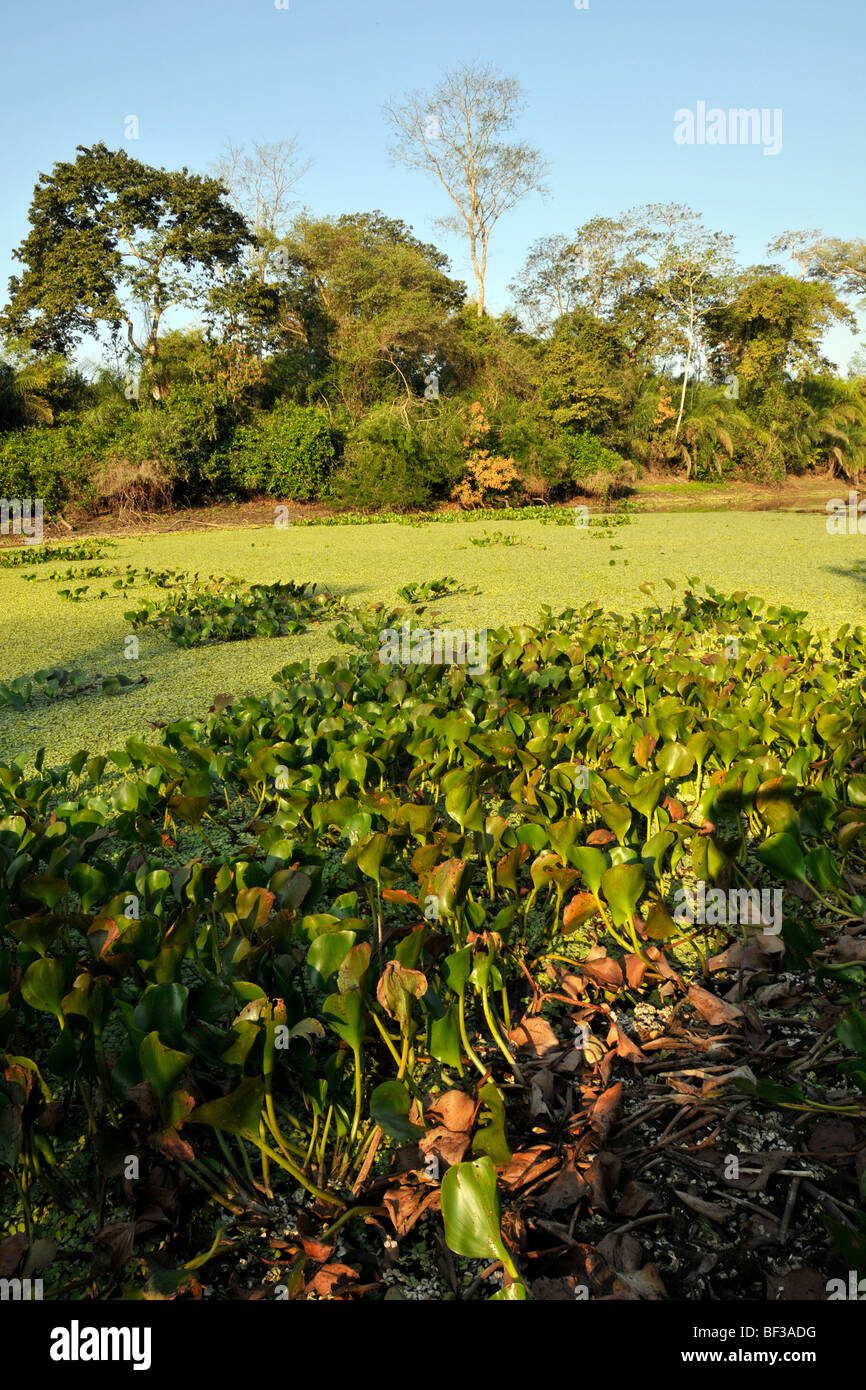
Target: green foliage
<point>175,895</point>
<point>180,894</point>
<point>220,610</point>
<point>59,683</point>
<point>288,452</point>
<point>393,461</point>
<point>44,554</point>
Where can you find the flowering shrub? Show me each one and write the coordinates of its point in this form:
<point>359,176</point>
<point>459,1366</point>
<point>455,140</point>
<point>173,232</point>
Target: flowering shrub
<point>489,476</point>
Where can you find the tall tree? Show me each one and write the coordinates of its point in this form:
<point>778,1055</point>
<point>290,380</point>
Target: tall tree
<point>367,300</point>
<point>261,185</point>
<point>113,241</point>
<point>547,286</point>
<point>771,325</point>
<point>691,265</point>
<point>456,133</point>
<point>836,261</point>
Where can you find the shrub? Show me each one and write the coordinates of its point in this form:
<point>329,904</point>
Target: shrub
<point>490,476</point>
<point>386,465</point>
<point>46,463</point>
<point>594,469</point>
<point>288,452</point>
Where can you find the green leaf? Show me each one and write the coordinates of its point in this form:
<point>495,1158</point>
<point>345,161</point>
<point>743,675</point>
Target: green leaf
<point>623,886</point>
<point>328,951</point>
<point>851,1031</point>
<point>675,760</point>
<point>345,1016</point>
<point>444,1038</point>
<point>471,1213</point>
<point>390,1104</point>
<point>783,855</point>
<point>490,1139</point>
<point>162,1009</point>
<point>237,1113</point>
<point>43,987</point>
<point>161,1065</point>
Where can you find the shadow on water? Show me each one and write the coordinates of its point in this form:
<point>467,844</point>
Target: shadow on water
<point>857,571</point>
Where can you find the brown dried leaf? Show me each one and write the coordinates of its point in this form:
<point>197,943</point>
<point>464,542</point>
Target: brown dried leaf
<point>710,1007</point>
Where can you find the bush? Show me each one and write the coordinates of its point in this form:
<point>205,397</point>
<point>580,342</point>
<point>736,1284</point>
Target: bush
<point>288,452</point>
<point>45,463</point>
<point>386,465</point>
<point>594,469</point>
<point>402,456</point>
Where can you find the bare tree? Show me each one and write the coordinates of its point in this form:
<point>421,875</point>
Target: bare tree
<point>840,263</point>
<point>260,185</point>
<point>456,133</point>
<point>690,264</point>
<point>546,288</point>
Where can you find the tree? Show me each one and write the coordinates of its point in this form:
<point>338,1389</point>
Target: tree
<point>772,325</point>
<point>691,265</point>
<point>364,295</point>
<point>831,259</point>
<point>604,260</point>
<point>112,238</point>
<point>456,133</point>
<point>547,286</point>
<point>260,186</point>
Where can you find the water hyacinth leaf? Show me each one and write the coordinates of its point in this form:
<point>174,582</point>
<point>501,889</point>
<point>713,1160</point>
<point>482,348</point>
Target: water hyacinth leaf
<point>508,867</point>
<point>535,836</point>
<point>45,889</point>
<point>851,1031</point>
<point>646,797</point>
<point>783,855</point>
<point>43,987</point>
<point>161,1065</point>
<point>371,855</point>
<point>660,926</point>
<point>390,1105</point>
<point>444,1038</point>
<point>354,967</point>
<point>623,886</point>
<point>490,1138</point>
<point>327,953</point>
<point>471,1211</point>
<point>397,988</point>
<point>237,1113</point>
<point>163,1009</point>
<point>823,869</point>
<point>618,818</point>
<point>857,789</point>
<point>345,1015</point>
<point>582,908</point>
<point>543,868</point>
<point>592,865</point>
<point>449,883</point>
<point>675,760</point>
<point>456,968</point>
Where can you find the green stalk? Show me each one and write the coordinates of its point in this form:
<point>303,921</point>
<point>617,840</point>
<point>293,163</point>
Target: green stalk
<point>464,1036</point>
<point>494,1029</point>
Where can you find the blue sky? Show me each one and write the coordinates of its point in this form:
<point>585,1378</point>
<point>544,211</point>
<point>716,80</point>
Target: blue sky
<point>602,84</point>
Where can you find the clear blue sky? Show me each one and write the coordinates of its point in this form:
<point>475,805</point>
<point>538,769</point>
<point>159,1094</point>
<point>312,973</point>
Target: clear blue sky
<point>602,86</point>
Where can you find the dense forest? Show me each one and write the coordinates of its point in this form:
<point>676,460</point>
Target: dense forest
<point>337,360</point>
